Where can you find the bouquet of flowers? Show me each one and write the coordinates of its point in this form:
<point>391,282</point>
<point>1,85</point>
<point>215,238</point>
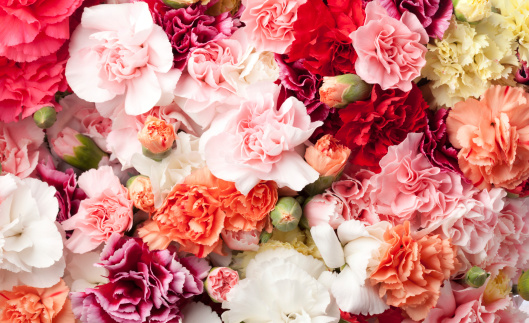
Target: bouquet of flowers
<point>264,161</point>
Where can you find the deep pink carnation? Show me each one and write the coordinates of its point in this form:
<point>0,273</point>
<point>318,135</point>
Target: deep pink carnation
<point>190,28</point>
<point>522,75</point>
<point>31,29</point>
<point>144,286</point>
<point>27,87</point>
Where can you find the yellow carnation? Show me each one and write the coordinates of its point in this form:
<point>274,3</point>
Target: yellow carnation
<point>516,14</point>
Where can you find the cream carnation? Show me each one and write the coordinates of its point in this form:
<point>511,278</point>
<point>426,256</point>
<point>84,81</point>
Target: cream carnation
<point>468,59</point>
<point>516,13</point>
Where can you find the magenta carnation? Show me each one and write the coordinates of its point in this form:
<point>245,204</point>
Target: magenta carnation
<point>27,87</point>
<point>522,75</point>
<point>144,285</point>
<point>190,28</point>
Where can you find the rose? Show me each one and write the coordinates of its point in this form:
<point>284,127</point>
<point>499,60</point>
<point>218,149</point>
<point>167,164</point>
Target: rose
<point>219,282</point>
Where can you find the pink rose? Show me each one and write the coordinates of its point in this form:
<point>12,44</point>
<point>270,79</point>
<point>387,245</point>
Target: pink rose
<point>390,51</point>
<point>19,147</point>
<point>32,29</point>
<point>241,240</point>
<point>259,140</point>
<point>107,210</point>
<point>327,208</point>
<point>270,23</point>
<point>219,282</point>
<point>127,58</point>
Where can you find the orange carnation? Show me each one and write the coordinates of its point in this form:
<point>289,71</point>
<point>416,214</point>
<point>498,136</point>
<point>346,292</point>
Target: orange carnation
<point>30,304</point>
<point>412,271</point>
<point>140,192</point>
<point>327,157</point>
<point>157,135</point>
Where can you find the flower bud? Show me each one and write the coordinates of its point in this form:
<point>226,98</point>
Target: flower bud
<point>472,10</point>
<point>265,236</point>
<point>339,91</point>
<point>327,156</point>
<point>140,193</point>
<point>45,117</point>
<point>286,215</point>
<point>223,6</point>
<point>177,4</point>
<point>476,277</point>
<point>219,282</point>
<point>77,150</point>
<point>157,138</point>
<point>523,285</point>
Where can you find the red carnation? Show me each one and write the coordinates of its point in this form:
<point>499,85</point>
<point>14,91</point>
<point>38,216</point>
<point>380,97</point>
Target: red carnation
<point>371,126</point>
<point>322,36</point>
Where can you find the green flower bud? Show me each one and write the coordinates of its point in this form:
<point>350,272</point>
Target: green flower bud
<point>523,285</point>
<point>77,150</point>
<point>265,236</point>
<point>286,215</point>
<point>339,91</point>
<point>45,117</point>
<point>476,277</point>
<point>177,4</point>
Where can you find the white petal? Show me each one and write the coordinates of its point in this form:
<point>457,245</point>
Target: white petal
<point>328,245</point>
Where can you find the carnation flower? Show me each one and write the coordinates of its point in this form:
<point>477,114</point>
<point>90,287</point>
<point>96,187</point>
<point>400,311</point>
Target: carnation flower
<point>34,28</point>
<point>327,156</point>
<point>326,25</point>
<point>138,74</point>
<point>220,281</point>
<point>326,208</point>
<point>371,126</point>
<point>140,193</point>
<point>242,240</point>
<point>411,272</point>
<point>390,51</point>
<point>469,59</point>
<point>19,147</point>
<point>189,28</point>
<point>144,286</point>
<point>27,87</point>
<point>522,75</point>
<point>106,210</point>
<point>31,246</point>
<point>491,136</point>
<point>257,142</point>
<point>516,14</point>
<point>261,297</point>
<point>30,304</point>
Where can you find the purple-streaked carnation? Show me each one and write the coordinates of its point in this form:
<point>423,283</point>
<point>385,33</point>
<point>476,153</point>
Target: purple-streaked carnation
<point>144,285</point>
<point>433,15</point>
<point>435,144</point>
<point>68,194</point>
<point>190,28</point>
<point>522,75</point>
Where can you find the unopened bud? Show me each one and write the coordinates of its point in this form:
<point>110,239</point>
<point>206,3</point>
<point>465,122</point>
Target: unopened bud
<point>476,277</point>
<point>339,91</point>
<point>157,138</point>
<point>286,215</point>
<point>77,150</point>
<point>45,117</point>
<point>265,236</point>
<point>523,285</point>
<point>219,282</point>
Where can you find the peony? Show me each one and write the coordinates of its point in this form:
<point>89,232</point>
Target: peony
<point>327,156</point>
<point>326,25</point>
<point>31,246</point>
<point>411,272</point>
<point>144,286</point>
<point>30,304</point>
<point>20,145</point>
<point>261,297</point>
<point>220,281</point>
<point>410,188</point>
<point>257,142</point>
<point>390,51</point>
<point>34,28</point>
<point>190,28</point>
<point>106,210</point>
<point>270,23</point>
<point>371,126</point>
<point>491,136</point>
<point>128,60</point>
<point>27,87</point>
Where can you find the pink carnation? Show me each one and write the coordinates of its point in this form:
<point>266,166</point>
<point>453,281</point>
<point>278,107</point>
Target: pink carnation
<point>241,240</point>
<point>32,29</point>
<point>390,51</point>
<point>410,188</point>
<point>220,281</point>
<point>19,147</point>
<point>27,87</point>
<point>327,208</point>
<point>258,141</point>
<point>107,210</point>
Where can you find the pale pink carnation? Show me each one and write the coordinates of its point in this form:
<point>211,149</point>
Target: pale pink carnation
<point>270,23</point>
<point>241,240</point>
<point>410,188</point>
<point>19,147</point>
<point>390,51</point>
<point>220,281</point>
<point>107,210</point>
<point>259,140</point>
<point>327,208</point>
<point>120,59</point>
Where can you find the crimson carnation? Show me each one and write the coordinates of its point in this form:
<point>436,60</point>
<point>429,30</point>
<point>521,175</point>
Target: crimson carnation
<point>190,28</point>
<point>27,87</point>
<point>371,126</point>
<point>322,36</point>
<point>144,285</point>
